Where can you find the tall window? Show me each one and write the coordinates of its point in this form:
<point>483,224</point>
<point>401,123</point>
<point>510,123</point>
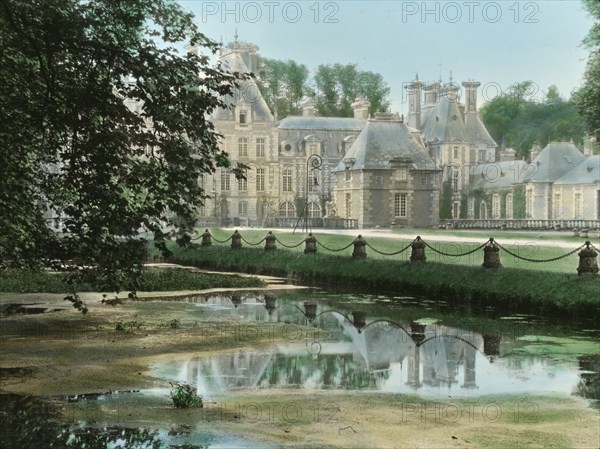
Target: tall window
<point>225,186</point>
<point>471,208</point>
<point>243,208</point>
<point>495,206</point>
<point>243,183</point>
<point>483,210</point>
<point>455,153</point>
<point>403,173</point>
<point>400,205</point>
<point>348,205</point>
<point>313,180</point>
<point>243,146</point>
<point>529,203</point>
<point>260,147</point>
<point>286,210</point>
<point>243,117</point>
<point>313,210</point>
<point>287,180</point>
<point>578,200</point>
<point>509,206</point>
<point>260,179</point>
<point>482,155</point>
<point>557,206</point>
<point>455,175</point>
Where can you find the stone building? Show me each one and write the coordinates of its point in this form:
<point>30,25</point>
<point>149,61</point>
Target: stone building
<point>387,176</point>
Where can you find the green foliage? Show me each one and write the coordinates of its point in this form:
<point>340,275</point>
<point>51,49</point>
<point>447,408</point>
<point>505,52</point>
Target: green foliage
<point>103,121</point>
<point>518,120</point>
<point>446,201</point>
<point>587,98</point>
<point>282,84</point>
<point>185,396</point>
<point>339,85</point>
<point>519,202</point>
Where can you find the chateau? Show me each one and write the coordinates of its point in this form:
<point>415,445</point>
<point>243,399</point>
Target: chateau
<point>379,169</point>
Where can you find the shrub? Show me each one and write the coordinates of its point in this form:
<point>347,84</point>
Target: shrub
<point>185,396</point>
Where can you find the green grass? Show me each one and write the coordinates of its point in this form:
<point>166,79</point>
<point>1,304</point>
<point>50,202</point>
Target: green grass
<point>509,289</point>
<point>13,281</point>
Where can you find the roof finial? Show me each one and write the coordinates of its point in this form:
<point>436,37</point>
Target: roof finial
<point>235,36</point>
<point>450,76</point>
<point>417,76</point>
<point>440,66</point>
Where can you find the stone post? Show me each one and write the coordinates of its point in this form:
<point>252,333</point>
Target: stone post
<point>310,244</point>
<point>418,250</point>
<point>360,248</point>
<point>270,242</point>
<point>575,232</point>
<point>584,233</point>
<point>491,255</point>
<point>206,238</point>
<point>587,260</point>
<point>236,240</point>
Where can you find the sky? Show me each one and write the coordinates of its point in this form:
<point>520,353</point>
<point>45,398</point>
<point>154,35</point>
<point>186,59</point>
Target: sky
<point>497,43</point>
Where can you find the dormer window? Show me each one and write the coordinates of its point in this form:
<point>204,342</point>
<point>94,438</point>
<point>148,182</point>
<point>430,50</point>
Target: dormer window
<point>243,118</point>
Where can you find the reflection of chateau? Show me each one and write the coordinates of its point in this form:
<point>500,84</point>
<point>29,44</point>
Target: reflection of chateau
<point>376,169</point>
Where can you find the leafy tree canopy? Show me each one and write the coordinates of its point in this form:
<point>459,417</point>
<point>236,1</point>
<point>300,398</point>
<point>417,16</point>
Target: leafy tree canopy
<point>283,84</point>
<point>105,122</point>
<point>587,98</point>
<point>518,120</point>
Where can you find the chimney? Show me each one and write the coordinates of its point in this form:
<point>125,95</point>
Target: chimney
<point>535,151</point>
<point>249,54</point>
<point>471,95</point>
<point>308,107</point>
<point>361,107</point>
<point>414,103</point>
<point>431,92</point>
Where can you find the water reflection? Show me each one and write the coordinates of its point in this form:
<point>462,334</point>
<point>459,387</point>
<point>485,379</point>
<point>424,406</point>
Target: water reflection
<point>347,350</point>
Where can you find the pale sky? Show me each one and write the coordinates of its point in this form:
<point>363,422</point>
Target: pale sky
<point>497,43</point>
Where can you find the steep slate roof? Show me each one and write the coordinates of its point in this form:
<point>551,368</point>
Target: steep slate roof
<point>586,172</point>
<point>382,140</point>
<point>443,122</point>
<point>248,91</point>
<point>495,175</point>
<point>476,131</point>
<point>337,123</point>
<point>554,161</point>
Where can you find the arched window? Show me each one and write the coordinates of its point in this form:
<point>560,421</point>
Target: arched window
<point>314,210</point>
<point>483,211</point>
<point>287,210</point>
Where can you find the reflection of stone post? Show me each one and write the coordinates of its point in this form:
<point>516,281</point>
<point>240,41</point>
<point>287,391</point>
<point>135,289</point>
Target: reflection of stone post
<point>310,243</point>
<point>270,303</point>
<point>417,332</point>
<point>491,344</point>
<point>359,319</point>
<point>206,238</point>
<point>418,251</point>
<point>491,255</point>
<point>236,240</point>
<point>270,242</point>
<point>236,299</point>
<point>587,260</point>
<point>360,248</point>
<point>310,310</point>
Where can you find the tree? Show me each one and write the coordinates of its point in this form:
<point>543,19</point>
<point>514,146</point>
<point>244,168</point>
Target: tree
<point>339,85</point>
<point>283,84</point>
<point>519,121</point>
<point>587,98</point>
<point>102,120</point>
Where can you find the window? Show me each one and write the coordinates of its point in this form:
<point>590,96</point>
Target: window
<point>348,205</point>
<point>313,180</point>
<point>509,206</point>
<point>483,211</point>
<point>403,173</point>
<point>455,175</point>
<point>243,117</point>
<point>557,206</point>
<point>400,205</point>
<point>243,146</point>
<point>313,210</point>
<point>578,205</point>
<point>348,175</point>
<point>260,179</point>
<point>455,153</point>
<point>313,148</point>
<point>529,203</point>
<point>471,208</point>
<point>260,147</point>
<point>225,186</point>
<point>243,183</point>
<point>482,155</point>
<point>287,180</point>
<point>243,208</point>
<point>287,210</point>
<point>495,206</point>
